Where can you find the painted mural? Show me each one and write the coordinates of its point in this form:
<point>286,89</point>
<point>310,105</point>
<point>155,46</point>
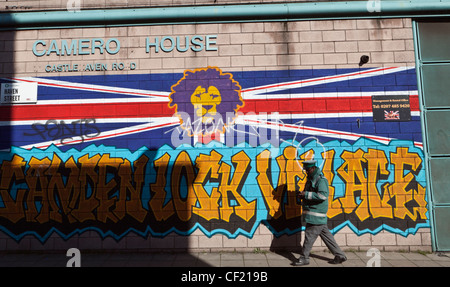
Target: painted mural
<point>211,150</point>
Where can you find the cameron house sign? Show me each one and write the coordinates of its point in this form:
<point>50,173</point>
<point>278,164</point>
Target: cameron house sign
<point>111,46</point>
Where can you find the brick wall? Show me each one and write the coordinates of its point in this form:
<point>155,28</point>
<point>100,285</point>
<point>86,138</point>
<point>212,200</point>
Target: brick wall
<point>240,48</point>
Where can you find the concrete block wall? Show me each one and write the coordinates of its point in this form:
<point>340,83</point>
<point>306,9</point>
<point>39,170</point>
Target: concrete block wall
<point>239,48</point>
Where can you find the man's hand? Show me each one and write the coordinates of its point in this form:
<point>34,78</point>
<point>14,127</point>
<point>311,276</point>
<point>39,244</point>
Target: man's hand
<point>300,194</point>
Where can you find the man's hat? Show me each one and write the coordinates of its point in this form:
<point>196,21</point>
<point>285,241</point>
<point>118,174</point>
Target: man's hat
<point>308,163</point>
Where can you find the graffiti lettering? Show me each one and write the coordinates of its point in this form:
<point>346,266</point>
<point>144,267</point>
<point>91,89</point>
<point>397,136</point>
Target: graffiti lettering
<point>243,209</point>
<point>60,130</point>
<point>362,171</point>
<point>220,190</point>
<point>49,198</point>
<point>367,194</point>
<point>13,208</point>
<point>208,169</point>
<point>161,211</point>
<point>290,179</point>
<point>408,193</point>
<point>209,208</point>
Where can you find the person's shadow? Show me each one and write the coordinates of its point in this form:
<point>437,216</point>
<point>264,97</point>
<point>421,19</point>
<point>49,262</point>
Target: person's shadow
<point>288,239</point>
<point>287,231</point>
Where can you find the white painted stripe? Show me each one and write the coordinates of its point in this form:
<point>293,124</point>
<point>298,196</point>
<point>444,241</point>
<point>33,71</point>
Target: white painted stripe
<point>341,135</point>
<point>106,135</point>
<point>273,116</point>
<point>249,93</point>
<point>92,87</point>
<point>327,95</point>
<point>321,80</point>
<point>103,101</point>
<point>155,120</point>
<point>277,116</point>
<point>249,97</point>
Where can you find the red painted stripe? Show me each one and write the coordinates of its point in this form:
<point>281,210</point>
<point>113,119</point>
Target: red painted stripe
<point>124,110</point>
<point>83,111</point>
<point>317,105</point>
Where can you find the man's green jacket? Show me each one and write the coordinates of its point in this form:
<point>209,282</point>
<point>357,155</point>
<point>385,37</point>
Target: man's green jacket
<point>315,202</point>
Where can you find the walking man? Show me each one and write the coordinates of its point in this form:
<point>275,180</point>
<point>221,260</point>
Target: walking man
<point>315,207</point>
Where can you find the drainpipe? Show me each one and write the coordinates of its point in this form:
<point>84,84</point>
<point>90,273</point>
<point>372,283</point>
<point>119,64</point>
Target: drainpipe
<point>225,14</point>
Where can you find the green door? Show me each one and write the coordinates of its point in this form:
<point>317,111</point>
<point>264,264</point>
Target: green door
<point>433,60</point>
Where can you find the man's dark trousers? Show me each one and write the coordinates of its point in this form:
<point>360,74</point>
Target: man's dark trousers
<point>312,232</point>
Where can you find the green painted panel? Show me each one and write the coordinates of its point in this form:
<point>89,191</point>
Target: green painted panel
<point>433,60</point>
<point>436,85</point>
<point>441,218</point>
<point>434,41</point>
<point>439,170</point>
<point>438,132</point>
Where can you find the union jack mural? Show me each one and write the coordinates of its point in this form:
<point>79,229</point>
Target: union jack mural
<point>121,153</point>
<point>115,108</point>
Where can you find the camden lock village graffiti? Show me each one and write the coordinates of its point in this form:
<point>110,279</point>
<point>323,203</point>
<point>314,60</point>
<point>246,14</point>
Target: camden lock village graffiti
<point>131,176</point>
<point>220,190</point>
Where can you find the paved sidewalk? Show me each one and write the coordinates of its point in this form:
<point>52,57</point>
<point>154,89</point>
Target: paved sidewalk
<point>223,259</point>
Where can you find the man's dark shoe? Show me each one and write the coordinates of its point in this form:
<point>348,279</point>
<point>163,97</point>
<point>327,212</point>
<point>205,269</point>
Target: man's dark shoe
<point>300,262</point>
<point>337,260</point>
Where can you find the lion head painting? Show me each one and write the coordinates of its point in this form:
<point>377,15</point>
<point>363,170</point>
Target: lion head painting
<point>206,100</point>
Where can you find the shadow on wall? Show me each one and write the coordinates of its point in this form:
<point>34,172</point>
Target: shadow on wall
<point>7,71</point>
<point>94,202</point>
<point>7,66</point>
<point>285,218</point>
<point>104,205</point>
<point>288,218</point>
